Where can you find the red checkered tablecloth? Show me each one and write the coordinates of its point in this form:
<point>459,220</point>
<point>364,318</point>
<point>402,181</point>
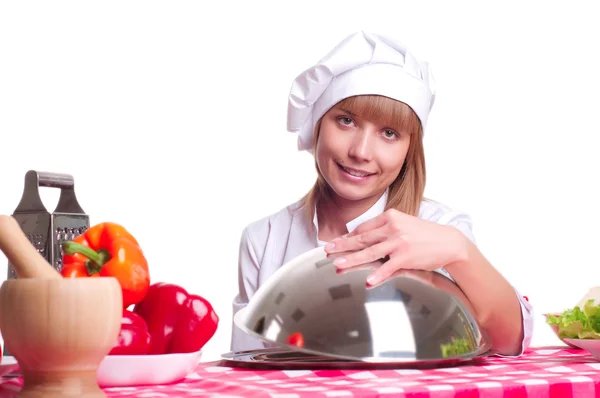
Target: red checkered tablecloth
<point>540,372</point>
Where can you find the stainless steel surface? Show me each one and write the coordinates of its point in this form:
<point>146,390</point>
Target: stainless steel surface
<point>282,358</point>
<point>48,231</point>
<point>416,316</point>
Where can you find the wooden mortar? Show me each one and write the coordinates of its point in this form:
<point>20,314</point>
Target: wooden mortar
<point>58,329</point>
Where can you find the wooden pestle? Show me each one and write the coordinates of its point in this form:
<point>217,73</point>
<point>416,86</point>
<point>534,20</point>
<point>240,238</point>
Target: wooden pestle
<point>21,254</point>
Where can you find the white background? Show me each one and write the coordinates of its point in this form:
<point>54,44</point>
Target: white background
<point>171,118</point>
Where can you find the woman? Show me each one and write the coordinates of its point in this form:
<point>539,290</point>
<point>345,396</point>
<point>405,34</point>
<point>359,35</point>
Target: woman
<point>361,111</point>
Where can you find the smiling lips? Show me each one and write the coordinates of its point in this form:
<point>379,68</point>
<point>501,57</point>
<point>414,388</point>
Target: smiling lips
<point>360,174</point>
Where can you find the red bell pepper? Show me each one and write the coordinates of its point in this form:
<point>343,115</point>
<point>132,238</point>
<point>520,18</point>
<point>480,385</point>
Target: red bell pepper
<point>178,322</point>
<point>108,249</point>
<point>134,338</point>
<point>296,339</point>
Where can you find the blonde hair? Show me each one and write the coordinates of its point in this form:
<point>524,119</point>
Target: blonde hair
<point>406,192</point>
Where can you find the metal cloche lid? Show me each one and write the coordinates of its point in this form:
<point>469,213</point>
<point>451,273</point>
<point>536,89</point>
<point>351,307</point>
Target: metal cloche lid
<point>416,316</point>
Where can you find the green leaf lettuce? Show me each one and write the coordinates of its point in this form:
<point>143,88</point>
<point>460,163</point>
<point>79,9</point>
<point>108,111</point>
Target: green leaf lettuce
<point>577,323</point>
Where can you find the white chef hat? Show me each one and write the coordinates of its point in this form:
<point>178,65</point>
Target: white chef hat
<point>363,63</point>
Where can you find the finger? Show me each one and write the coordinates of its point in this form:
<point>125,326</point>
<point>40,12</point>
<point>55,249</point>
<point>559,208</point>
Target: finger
<point>345,271</point>
<point>367,255</point>
<point>358,242</point>
<point>386,271</point>
<point>338,254</point>
<point>395,274</point>
<point>404,273</point>
<point>369,266</point>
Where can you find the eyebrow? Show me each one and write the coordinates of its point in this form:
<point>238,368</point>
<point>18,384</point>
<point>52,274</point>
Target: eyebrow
<point>347,111</point>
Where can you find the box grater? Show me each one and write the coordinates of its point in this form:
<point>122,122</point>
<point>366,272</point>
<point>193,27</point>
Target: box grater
<point>47,232</point>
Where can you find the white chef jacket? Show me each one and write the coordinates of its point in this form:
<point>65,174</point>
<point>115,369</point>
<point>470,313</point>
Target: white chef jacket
<point>274,240</point>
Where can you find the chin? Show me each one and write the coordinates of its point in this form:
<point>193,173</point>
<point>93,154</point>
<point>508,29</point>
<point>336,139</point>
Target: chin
<point>352,193</point>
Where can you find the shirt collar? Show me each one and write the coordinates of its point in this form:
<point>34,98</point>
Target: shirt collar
<point>374,211</point>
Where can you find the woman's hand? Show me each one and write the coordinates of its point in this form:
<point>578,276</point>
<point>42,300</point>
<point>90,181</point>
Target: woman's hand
<point>408,242</point>
<point>405,242</point>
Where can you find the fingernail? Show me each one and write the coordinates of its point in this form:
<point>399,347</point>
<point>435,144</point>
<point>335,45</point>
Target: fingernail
<point>330,246</point>
<point>338,261</point>
<point>372,279</point>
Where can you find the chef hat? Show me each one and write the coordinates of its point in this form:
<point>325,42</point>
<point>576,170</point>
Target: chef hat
<point>363,63</point>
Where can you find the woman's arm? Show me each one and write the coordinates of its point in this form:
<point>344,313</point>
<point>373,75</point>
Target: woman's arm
<point>408,242</point>
<point>494,300</point>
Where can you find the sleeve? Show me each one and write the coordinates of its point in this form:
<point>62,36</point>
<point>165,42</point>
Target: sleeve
<point>463,223</point>
<point>527,316</point>
<point>248,272</point>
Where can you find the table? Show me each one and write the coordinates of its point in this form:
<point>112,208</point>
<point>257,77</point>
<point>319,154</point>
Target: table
<point>541,372</point>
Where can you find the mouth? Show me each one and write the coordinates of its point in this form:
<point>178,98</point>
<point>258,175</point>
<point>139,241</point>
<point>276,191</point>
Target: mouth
<point>355,172</point>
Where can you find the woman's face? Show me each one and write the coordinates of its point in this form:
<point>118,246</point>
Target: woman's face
<point>358,158</point>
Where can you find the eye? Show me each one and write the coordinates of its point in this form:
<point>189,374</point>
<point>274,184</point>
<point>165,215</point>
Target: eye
<point>345,120</point>
<point>390,134</point>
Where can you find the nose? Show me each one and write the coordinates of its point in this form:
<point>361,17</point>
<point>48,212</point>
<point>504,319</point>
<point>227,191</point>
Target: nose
<point>360,147</point>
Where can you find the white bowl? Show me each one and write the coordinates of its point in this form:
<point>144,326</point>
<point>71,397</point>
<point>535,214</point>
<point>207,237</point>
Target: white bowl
<point>132,370</point>
<point>590,345</point>
<point>555,329</point>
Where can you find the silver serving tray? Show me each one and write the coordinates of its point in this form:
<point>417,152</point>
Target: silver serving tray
<point>286,359</point>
